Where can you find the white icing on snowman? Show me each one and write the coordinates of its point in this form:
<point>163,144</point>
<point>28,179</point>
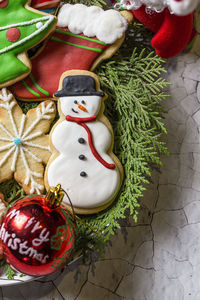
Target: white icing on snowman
<point>180,8</point>
<point>75,105</point>
<point>87,181</point>
<point>107,26</point>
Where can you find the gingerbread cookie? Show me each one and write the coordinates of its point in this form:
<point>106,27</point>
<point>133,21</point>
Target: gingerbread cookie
<point>24,146</point>
<point>21,27</point>
<point>83,38</point>
<point>82,142</point>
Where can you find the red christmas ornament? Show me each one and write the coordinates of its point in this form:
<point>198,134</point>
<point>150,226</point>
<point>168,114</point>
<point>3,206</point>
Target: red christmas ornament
<point>38,237</point>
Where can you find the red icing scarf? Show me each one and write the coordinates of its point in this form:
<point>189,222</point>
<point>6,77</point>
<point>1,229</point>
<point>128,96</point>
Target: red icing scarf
<point>81,122</point>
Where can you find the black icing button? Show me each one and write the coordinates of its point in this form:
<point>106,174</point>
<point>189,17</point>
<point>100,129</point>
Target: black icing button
<point>81,157</point>
<point>83,174</point>
<point>81,140</point>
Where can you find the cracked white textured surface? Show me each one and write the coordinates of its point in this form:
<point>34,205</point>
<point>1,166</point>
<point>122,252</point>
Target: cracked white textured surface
<point>159,257</point>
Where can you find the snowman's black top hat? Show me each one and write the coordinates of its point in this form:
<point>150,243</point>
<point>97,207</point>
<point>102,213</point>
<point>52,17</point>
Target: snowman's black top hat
<point>79,85</point>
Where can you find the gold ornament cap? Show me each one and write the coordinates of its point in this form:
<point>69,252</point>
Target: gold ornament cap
<point>54,196</point>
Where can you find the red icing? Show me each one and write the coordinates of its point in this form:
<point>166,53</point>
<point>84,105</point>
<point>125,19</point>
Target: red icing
<point>13,34</point>
<point>44,3</point>
<point>81,122</point>
<point>55,59</point>
<point>3,3</point>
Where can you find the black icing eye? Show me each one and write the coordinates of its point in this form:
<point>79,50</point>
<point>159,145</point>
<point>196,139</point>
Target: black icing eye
<point>75,101</point>
<point>83,102</point>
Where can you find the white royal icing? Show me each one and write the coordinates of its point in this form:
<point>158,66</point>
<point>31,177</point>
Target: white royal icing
<point>39,25</point>
<point>107,26</point>
<point>180,8</point>
<point>25,137</point>
<point>101,184</point>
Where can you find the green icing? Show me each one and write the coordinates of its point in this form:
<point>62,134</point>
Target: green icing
<point>11,67</point>
<point>16,15</point>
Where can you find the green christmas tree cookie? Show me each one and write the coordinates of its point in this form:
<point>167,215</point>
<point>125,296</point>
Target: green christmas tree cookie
<point>21,27</point>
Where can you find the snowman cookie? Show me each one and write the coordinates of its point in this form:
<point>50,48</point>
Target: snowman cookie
<point>81,141</point>
<point>21,27</point>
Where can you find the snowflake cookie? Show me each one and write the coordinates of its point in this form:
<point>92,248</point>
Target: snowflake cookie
<point>24,146</point>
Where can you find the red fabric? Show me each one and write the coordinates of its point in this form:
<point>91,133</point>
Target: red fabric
<point>174,34</point>
<point>81,122</point>
<point>152,21</point>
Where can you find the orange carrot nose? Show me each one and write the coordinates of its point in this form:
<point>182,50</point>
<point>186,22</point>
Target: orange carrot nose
<point>82,107</point>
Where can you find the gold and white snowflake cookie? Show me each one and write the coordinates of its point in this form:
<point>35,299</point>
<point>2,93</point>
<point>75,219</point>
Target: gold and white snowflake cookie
<point>24,144</point>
